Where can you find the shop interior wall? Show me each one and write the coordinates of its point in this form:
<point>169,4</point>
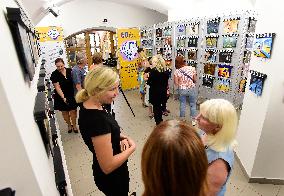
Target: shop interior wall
<point>259,131</point>
<point>76,16</point>
<point>24,166</point>
<point>269,162</point>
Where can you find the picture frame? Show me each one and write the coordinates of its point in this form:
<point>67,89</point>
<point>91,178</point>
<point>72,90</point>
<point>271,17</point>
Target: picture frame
<point>21,37</point>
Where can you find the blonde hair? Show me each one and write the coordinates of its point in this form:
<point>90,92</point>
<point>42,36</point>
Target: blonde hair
<point>223,113</point>
<point>159,63</point>
<point>96,82</point>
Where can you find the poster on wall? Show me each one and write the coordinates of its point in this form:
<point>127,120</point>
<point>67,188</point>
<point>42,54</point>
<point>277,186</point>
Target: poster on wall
<point>242,85</point>
<point>209,69</point>
<point>210,55</point>
<point>230,26</point>
<point>192,55</point>
<point>251,25</point>
<point>128,42</point>
<point>225,56</point>
<point>213,26</point>
<point>192,29</point>
<point>211,42</point>
<point>262,46</point>
<point>51,40</point>
<point>224,71</point>
<point>257,82</point>
<point>208,81</point>
<point>223,84</point>
<point>229,42</point>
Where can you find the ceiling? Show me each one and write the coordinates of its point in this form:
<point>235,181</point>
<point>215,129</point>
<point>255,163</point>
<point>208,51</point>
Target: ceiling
<point>37,9</point>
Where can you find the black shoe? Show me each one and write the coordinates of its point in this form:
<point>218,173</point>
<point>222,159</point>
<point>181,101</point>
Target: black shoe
<point>70,130</point>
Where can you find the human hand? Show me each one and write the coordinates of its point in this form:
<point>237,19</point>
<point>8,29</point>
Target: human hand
<point>131,143</point>
<point>124,145</point>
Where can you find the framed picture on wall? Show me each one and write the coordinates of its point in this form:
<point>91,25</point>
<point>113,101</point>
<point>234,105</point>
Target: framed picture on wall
<point>20,33</point>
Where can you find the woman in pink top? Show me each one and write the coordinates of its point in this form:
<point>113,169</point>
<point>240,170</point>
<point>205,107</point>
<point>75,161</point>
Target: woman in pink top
<point>184,79</point>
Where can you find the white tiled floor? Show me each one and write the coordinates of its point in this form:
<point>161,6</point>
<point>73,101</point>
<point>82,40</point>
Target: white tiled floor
<point>79,159</point>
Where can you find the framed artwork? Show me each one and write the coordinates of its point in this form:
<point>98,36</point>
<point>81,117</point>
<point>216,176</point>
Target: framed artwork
<point>181,30</point>
<point>192,42</point>
<point>159,32</point>
<point>257,82</point>
<point>192,55</point>
<point>180,43</point>
<point>263,45</point>
<point>242,85</point>
<point>229,42</point>
<point>224,70</point>
<point>247,57</point>
<point>231,26</point>
<point>208,81</point>
<point>213,26</point>
<point>225,57</point>
<point>211,42</point>
<point>159,43</point>
<point>249,42</point>
<point>192,29</point>
<point>223,84</point>
<point>209,69</point>
<point>20,33</point>
<point>181,52</point>
<point>167,31</point>
<point>168,41</point>
<point>210,55</point>
<point>251,25</point>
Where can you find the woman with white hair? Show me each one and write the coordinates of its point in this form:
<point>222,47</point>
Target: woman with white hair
<point>217,121</point>
<point>157,79</point>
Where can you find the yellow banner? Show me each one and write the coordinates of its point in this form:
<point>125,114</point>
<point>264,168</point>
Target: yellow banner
<point>51,33</point>
<point>128,42</point>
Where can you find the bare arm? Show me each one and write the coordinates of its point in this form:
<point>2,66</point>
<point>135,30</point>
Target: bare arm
<point>216,175</point>
<point>104,153</point>
<point>194,78</point>
<point>176,80</point>
<point>59,90</point>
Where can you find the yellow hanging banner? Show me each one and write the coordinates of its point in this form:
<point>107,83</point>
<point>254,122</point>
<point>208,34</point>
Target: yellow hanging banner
<point>128,41</point>
<point>50,33</point>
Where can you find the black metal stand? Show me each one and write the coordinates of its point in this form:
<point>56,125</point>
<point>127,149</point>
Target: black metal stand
<point>120,89</point>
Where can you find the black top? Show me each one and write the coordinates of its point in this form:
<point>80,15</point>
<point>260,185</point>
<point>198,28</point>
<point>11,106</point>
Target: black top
<point>158,82</point>
<point>92,123</point>
<point>66,85</point>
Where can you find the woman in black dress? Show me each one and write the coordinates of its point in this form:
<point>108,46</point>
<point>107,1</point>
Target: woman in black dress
<point>64,100</point>
<point>158,81</point>
<point>102,134</point>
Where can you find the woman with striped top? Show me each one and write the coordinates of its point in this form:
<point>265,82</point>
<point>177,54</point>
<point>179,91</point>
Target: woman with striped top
<point>184,79</point>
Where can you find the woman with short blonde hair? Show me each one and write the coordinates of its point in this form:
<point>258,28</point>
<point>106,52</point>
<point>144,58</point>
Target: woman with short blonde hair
<point>217,121</point>
<point>101,132</point>
<point>157,79</point>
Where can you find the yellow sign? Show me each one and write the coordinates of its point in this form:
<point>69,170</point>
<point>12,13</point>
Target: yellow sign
<point>50,33</point>
<point>128,42</point>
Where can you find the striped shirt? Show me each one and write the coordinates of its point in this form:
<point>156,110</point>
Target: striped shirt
<point>184,81</point>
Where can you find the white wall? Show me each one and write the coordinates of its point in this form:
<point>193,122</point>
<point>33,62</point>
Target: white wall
<point>263,117</point>
<point>260,133</point>
<point>76,15</point>
<point>201,8</point>
<point>24,163</point>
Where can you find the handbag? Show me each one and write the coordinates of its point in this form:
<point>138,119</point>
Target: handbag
<point>186,75</point>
